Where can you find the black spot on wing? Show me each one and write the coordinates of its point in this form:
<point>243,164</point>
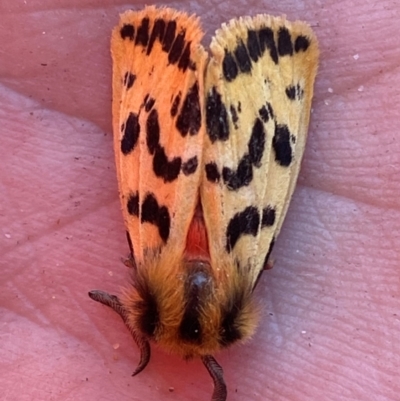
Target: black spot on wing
<point>142,36</point>
<point>189,118</point>
<point>253,46</point>
<point>212,172</point>
<point>257,143</point>
<point>266,40</point>
<point>131,131</point>
<point>281,145</point>
<point>184,61</point>
<point>242,58</point>
<point>175,104</point>
<point>132,204</point>
<point>294,92</point>
<point>164,168</point>
<point>177,48</point>
<point>149,103</point>
<point>285,47</point>
<point>169,36</point>
<point>301,43</point>
<point>268,217</point>
<point>229,67</point>
<point>129,79</point>
<point>158,215</point>
<point>216,117</point>
<point>266,112</point>
<point>242,223</point>
<point>234,116</point>
<point>242,176</point>
<point>156,34</point>
<point>127,31</point>
<point>190,166</point>
<point>152,132</point>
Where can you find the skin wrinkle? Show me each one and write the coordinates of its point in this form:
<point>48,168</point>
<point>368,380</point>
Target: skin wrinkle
<point>330,324</point>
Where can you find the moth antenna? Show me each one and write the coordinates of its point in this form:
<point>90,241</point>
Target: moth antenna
<point>217,374</point>
<point>114,303</point>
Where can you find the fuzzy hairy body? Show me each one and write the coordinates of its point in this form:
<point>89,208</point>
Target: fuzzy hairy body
<point>189,308</point>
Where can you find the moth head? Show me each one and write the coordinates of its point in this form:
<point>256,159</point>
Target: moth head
<point>190,307</point>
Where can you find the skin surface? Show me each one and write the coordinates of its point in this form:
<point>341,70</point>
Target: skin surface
<point>330,326</point>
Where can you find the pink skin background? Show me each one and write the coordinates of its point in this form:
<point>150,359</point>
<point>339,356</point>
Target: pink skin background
<point>330,328</point>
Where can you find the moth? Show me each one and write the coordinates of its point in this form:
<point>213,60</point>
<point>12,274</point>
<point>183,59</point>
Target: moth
<point>208,150</point>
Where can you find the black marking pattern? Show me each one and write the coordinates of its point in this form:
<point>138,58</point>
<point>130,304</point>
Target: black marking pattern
<point>229,67</point>
<point>168,34</point>
<point>189,118</point>
<point>131,131</point>
<point>157,215</point>
<point>142,36</point>
<point>266,112</point>
<point>243,175</point>
<point>285,46</point>
<point>245,222</point>
<point>253,45</point>
<point>294,92</point>
<point>248,222</point>
<point>129,80</point>
<point>234,116</point>
<point>177,48</point>
<point>240,59</point>
<point>282,146</point>
<point>127,32</point>
<point>164,168</point>
<point>150,212</point>
<point>149,103</point>
<point>216,117</point>
<point>132,204</point>
<point>212,172</point>
<point>175,104</point>
<point>190,166</point>
<point>301,43</point>
<point>157,33</point>
<point>267,41</point>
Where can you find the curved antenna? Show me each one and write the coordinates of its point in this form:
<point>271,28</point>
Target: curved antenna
<point>217,374</point>
<point>114,303</point>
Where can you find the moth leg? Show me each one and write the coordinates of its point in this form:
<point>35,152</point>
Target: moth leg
<point>217,374</point>
<point>130,260</point>
<point>114,303</point>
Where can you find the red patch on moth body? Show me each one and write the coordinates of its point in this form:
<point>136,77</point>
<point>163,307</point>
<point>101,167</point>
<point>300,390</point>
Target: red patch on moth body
<point>197,240</point>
